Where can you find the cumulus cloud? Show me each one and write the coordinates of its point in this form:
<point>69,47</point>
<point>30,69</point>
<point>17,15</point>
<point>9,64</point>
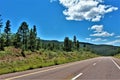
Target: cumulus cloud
<point>99,39</point>
<point>88,39</point>
<point>52,1</point>
<point>117,36</point>
<point>97,28</point>
<point>99,32</point>
<point>91,10</point>
<point>102,34</point>
<point>96,39</point>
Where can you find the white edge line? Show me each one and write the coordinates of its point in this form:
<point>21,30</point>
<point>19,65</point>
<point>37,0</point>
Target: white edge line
<point>77,76</point>
<point>116,64</point>
<point>94,64</point>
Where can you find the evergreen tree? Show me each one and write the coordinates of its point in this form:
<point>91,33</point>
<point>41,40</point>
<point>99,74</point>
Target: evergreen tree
<point>23,33</point>
<point>67,44</point>
<point>35,37</point>
<point>1,39</point>
<point>1,24</point>
<point>2,42</point>
<point>32,38</point>
<point>35,31</point>
<point>38,44</point>
<point>17,41</point>
<point>74,42</point>
<point>7,32</point>
<point>78,45</point>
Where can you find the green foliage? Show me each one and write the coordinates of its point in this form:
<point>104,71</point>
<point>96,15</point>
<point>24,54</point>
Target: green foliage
<point>1,43</point>
<point>1,24</point>
<point>24,33</point>
<point>67,44</point>
<point>77,45</point>
<point>7,32</point>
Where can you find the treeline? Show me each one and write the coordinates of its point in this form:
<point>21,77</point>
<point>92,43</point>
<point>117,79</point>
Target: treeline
<point>26,39</point>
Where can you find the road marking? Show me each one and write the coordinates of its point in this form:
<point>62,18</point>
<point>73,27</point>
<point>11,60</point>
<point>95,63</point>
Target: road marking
<point>94,64</point>
<point>77,76</point>
<point>39,72</point>
<point>116,64</point>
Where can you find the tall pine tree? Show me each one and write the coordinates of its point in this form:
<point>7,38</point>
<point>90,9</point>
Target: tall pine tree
<point>74,42</point>
<point>33,39</point>
<point>1,24</point>
<point>1,39</point>
<point>7,32</point>
<point>23,33</point>
<point>67,44</point>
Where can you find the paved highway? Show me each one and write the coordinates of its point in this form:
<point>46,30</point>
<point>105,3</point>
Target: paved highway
<point>101,68</point>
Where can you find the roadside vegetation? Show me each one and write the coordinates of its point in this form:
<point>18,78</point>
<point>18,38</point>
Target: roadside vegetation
<point>11,59</point>
<point>118,55</point>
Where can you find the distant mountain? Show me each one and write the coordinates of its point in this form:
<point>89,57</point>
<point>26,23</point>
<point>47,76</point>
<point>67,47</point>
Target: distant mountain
<point>102,49</point>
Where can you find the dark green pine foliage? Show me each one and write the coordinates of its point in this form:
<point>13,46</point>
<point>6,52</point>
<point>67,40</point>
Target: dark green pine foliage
<point>78,45</point>
<point>1,43</point>
<point>33,39</point>
<point>67,44</point>
<point>1,24</point>
<point>17,40</point>
<point>74,42</point>
<point>38,46</point>
<point>7,32</point>
<point>23,34</point>
<point>1,39</point>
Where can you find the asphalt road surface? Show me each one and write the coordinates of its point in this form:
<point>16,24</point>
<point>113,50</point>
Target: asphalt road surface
<point>101,68</point>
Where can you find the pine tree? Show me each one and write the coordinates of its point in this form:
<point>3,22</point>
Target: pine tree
<point>38,44</point>
<point>7,32</point>
<point>1,24</point>
<point>74,42</point>
<point>35,37</point>
<point>2,43</point>
<point>17,41</point>
<point>78,45</point>
<point>1,39</point>
<point>23,33</point>
<point>67,44</point>
<point>32,39</point>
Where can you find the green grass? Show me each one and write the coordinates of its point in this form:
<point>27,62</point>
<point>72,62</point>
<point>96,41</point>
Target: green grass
<point>38,59</point>
<point>117,55</point>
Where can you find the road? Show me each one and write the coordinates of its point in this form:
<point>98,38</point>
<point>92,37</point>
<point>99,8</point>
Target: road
<point>101,68</point>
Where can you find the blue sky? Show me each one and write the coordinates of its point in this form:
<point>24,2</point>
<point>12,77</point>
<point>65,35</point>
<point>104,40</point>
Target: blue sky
<point>94,21</point>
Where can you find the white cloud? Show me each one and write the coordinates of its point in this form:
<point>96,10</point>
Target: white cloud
<point>115,42</point>
<point>52,1</point>
<point>99,32</point>
<point>99,39</point>
<point>102,34</point>
<point>117,36</point>
<point>96,40</point>
<point>91,10</point>
<point>97,28</point>
<point>88,39</point>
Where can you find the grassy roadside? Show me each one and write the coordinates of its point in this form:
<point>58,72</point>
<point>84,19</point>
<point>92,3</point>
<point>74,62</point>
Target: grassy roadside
<point>117,56</point>
<point>12,61</point>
